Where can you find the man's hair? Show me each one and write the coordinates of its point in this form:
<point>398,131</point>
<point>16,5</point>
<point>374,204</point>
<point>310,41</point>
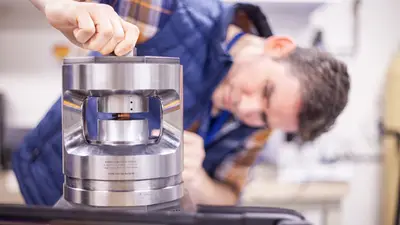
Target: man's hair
<point>325,85</point>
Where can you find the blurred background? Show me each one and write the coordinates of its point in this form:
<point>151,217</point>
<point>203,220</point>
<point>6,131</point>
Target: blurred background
<point>349,176</point>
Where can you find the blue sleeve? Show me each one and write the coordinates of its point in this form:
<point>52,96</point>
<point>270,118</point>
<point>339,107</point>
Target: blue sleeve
<point>37,163</point>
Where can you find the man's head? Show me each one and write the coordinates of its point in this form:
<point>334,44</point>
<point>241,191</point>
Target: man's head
<point>285,87</point>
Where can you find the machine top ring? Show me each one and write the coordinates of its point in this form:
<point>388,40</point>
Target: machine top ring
<point>121,59</point>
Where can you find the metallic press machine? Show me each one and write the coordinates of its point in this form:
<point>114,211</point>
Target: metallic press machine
<point>123,166</point>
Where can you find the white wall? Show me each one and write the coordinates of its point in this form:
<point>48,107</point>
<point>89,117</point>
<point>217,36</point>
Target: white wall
<point>379,40</point>
<point>30,76</point>
<point>356,129</point>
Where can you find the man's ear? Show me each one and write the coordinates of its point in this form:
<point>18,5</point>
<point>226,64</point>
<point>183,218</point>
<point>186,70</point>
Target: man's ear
<point>279,46</point>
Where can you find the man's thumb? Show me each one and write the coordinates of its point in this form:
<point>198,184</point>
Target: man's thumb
<point>155,132</point>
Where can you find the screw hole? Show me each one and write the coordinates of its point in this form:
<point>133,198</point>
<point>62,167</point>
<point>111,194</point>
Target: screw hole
<point>131,109</point>
<point>131,102</point>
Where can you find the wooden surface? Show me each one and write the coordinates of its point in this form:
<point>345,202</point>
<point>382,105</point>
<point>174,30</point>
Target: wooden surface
<point>9,190</point>
<point>390,181</point>
<point>265,190</point>
<point>391,164</point>
<point>319,202</point>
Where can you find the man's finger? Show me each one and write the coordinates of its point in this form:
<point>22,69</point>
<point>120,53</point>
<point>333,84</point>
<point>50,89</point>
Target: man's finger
<point>118,36</point>
<point>194,153</point>
<point>129,42</point>
<point>186,176</point>
<point>104,31</point>
<point>155,132</point>
<point>194,159</point>
<point>190,137</point>
<point>86,28</point>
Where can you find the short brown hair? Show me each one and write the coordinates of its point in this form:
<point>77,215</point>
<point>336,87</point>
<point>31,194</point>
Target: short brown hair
<point>325,85</point>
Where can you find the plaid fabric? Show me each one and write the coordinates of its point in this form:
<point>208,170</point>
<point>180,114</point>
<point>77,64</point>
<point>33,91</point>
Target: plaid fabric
<point>235,169</point>
<point>148,15</point>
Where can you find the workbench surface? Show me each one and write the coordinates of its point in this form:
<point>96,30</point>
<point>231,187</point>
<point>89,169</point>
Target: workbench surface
<point>9,190</point>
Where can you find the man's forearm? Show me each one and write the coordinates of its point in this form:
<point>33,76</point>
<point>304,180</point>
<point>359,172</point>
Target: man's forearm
<point>40,4</point>
<point>212,192</point>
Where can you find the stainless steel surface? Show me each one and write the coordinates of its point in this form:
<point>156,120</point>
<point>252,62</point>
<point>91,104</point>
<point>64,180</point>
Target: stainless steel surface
<point>184,204</point>
<point>134,132</point>
<point>122,167</point>
<point>124,198</point>
<point>123,104</point>
<point>131,53</point>
<point>103,79</point>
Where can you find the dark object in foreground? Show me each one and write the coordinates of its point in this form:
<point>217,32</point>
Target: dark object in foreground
<point>23,215</point>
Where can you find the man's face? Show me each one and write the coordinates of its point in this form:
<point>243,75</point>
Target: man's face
<point>261,92</point>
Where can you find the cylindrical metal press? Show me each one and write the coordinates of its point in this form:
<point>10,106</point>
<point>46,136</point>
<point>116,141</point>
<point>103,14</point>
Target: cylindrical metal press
<point>122,166</point>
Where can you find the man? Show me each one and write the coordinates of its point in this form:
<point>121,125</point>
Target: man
<point>229,108</point>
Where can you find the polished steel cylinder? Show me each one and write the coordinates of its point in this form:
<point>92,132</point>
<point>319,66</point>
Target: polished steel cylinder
<point>123,104</point>
<point>132,132</point>
<point>121,167</point>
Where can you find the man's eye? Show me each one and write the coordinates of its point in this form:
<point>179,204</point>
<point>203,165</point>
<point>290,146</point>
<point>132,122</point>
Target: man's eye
<point>267,92</point>
<point>264,118</point>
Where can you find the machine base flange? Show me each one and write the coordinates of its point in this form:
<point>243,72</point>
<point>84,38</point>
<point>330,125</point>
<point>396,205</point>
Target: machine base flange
<point>183,204</point>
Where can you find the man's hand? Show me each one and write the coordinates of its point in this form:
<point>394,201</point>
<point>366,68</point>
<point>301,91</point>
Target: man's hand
<point>194,154</point>
<point>92,26</point>
<point>202,188</point>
